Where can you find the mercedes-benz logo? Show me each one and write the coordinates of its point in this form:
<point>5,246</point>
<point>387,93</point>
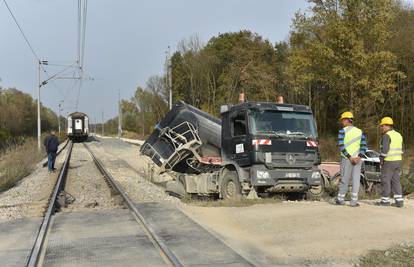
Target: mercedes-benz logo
<point>290,158</point>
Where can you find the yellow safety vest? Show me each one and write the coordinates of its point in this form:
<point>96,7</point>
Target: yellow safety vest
<point>352,140</point>
<point>395,152</point>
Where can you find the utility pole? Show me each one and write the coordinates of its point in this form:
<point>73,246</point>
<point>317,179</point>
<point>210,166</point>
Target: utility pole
<point>102,124</point>
<point>38,110</point>
<point>169,71</point>
<point>119,115</point>
<point>60,109</point>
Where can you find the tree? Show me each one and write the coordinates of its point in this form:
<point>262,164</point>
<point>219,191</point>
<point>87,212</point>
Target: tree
<point>339,54</point>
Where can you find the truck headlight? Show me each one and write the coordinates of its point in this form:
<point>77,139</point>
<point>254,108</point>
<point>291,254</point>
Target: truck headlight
<point>263,174</point>
<point>316,175</point>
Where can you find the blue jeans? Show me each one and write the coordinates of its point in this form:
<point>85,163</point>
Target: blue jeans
<point>51,157</point>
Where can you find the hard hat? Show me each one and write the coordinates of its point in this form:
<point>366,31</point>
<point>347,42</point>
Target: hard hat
<point>387,121</point>
<point>347,115</point>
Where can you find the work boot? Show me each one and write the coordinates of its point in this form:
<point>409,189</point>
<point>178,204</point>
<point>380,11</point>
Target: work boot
<point>339,202</point>
<point>383,203</point>
<point>398,204</point>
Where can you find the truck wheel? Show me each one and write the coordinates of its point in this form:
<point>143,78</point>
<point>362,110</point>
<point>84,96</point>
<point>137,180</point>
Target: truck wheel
<point>230,186</point>
<point>316,192</point>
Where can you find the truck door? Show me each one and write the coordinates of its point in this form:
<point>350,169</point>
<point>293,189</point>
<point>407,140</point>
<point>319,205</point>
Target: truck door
<point>240,145</point>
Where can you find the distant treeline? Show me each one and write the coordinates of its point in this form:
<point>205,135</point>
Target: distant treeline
<point>341,55</point>
<point>18,117</point>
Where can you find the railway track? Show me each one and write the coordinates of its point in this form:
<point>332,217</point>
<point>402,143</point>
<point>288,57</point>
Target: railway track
<point>38,252</point>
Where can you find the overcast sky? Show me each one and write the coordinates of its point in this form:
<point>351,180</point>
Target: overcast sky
<point>126,41</point>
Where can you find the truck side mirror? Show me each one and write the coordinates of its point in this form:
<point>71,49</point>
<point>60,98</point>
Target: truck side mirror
<point>224,108</point>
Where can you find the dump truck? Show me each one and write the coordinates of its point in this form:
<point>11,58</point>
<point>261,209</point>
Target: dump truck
<point>255,149</point>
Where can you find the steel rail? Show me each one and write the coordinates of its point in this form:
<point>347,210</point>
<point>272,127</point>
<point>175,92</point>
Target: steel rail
<point>36,253</point>
<point>137,214</point>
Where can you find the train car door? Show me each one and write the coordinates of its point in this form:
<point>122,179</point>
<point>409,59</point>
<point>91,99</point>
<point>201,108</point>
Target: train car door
<point>78,125</point>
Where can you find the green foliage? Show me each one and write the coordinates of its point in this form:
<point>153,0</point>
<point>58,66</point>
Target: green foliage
<point>340,52</point>
<point>19,117</point>
<point>208,76</point>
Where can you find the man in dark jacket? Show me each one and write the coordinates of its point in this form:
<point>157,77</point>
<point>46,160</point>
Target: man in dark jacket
<point>51,144</point>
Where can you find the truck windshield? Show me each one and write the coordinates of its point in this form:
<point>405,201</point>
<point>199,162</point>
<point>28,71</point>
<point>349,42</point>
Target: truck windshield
<point>283,123</point>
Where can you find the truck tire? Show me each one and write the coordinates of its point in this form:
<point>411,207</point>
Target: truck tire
<point>317,192</point>
<point>230,186</point>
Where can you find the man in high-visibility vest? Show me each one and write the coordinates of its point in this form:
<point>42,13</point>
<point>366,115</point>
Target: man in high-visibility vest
<point>352,145</point>
<point>391,163</point>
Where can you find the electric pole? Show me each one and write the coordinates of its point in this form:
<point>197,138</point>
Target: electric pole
<point>169,70</point>
<point>119,115</point>
<point>102,124</point>
<point>60,109</point>
<point>38,110</point>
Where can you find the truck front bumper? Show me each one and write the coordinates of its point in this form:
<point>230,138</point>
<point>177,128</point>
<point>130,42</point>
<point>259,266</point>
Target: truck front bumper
<point>284,180</point>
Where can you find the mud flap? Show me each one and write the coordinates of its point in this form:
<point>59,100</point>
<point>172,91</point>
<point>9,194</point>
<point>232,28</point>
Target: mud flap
<point>175,188</point>
<point>252,194</point>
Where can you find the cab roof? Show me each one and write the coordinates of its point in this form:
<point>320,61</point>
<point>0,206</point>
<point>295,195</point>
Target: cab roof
<point>250,105</point>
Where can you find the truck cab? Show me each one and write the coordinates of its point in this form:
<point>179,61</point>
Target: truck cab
<point>273,147</point>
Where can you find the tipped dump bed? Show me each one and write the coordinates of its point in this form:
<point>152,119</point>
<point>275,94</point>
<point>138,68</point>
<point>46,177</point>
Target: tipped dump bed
<point>184,128</point>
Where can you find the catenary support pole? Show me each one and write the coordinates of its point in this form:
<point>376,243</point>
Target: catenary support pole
<point>38,110</point>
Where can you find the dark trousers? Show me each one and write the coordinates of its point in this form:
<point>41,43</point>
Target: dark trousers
<point>51,157</point>
<point>390,178</point>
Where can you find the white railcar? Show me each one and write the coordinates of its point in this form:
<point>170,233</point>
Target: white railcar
<point>78,126</point>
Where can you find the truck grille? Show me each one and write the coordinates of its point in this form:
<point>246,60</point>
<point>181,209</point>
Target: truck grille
<point>291,160</point>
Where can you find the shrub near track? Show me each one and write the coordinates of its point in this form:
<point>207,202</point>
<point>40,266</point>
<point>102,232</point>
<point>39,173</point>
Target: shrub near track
<point>18,161</point>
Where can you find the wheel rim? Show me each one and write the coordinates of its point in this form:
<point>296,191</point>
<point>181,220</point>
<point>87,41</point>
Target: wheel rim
<point>316,190</point>
<point>231,189</point>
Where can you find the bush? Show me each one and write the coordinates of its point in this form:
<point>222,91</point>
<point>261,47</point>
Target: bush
<point>18,162</point>
<point>328,148</point>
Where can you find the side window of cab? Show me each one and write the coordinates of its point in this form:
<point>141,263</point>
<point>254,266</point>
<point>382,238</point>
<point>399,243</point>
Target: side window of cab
<point>238,124</point>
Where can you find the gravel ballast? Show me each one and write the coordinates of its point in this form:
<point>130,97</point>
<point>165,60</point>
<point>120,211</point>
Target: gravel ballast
<point>122,160</point>
<point>86,185</point>
<point>30,196</point>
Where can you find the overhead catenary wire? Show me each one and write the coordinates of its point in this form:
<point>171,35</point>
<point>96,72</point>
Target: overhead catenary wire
<point>29,44</point>
<point>82,15</point>
<point>21,31</point>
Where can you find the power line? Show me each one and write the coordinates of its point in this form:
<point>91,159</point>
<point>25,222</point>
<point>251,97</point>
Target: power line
<point>85,11</point>
<point>27,41</point>
<point>21,31</point>
<point>82,15</point>
<point>79,31</point>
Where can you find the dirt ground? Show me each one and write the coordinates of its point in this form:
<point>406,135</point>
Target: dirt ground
<point>307,233</point>
<point>294,233</point>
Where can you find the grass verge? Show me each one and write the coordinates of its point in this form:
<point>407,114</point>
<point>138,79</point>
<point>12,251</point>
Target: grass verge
<point>398,255</point>
<point>18,162</point>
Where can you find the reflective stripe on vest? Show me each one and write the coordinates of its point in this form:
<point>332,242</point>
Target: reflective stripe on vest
<point>352,140</point>
<point>395,152</point>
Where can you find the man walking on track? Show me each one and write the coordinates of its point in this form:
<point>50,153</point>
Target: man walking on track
<point>352,145</point>
<point>391,163</point>
<point>51,144</point>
